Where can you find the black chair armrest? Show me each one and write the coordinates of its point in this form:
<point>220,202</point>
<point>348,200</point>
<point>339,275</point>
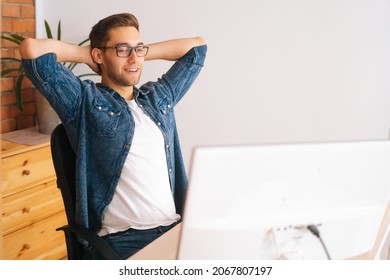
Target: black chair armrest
<point>93,239</point>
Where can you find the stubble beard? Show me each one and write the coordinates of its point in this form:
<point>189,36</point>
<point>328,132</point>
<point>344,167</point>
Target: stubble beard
<point>122,81</point>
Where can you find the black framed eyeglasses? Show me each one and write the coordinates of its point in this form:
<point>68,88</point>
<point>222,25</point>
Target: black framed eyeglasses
<point>125,50</point>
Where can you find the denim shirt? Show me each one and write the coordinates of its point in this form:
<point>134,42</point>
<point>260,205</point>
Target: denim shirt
<point>100,126</point>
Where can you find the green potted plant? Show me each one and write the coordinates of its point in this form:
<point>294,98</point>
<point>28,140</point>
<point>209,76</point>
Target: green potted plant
<point>46,117</point>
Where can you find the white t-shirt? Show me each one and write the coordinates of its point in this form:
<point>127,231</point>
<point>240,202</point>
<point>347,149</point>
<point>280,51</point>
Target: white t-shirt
<point>143,197</point>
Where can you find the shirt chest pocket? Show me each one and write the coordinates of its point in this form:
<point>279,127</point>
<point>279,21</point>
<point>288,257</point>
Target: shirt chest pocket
<point>104,118</point>
<point>166,110</point>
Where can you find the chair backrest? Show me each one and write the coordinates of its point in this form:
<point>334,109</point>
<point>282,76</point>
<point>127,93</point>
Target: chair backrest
<point>64,160</point>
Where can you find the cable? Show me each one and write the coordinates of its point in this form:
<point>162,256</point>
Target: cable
<point>314,230</point>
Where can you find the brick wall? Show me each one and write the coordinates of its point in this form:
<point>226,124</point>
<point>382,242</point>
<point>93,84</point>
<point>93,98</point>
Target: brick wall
<point>17,16</point>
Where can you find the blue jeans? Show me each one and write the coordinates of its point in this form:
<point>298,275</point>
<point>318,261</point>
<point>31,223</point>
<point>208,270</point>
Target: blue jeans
<point>128,242</point>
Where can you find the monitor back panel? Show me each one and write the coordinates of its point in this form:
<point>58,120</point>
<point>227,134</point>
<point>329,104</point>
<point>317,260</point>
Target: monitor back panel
<point>254,202</point>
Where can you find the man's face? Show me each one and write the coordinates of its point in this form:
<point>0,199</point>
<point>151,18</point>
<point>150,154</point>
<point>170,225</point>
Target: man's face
<point>121,72</point>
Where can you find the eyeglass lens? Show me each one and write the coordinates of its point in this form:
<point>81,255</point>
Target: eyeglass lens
<point>125,51</point>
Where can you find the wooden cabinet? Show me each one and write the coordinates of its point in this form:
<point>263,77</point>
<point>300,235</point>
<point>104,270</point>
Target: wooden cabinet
<point>31,205</point>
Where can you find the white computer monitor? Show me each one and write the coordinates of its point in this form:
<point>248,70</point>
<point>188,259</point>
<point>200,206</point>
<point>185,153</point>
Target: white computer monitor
<point>256,201</point>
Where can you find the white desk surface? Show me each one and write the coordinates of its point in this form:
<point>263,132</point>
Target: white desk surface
<point>163,248</point>
<point>166,246</point>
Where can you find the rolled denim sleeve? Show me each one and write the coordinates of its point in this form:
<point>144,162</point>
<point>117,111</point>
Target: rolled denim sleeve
<point>196,55</point>
<point>56,83</point>
<point>183,73</point>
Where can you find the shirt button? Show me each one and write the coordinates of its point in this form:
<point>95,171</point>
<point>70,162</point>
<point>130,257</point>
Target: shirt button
<point>158,123</point>
<point>112,114</point>
<point>140,105</point>
<point>167,146</point>
<point>164,112</point>
<point>169,106</point>
<point>99,107</point>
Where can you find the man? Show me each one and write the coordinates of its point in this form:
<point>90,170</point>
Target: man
<point>129,169</point>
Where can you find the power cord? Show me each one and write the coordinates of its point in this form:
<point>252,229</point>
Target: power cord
<point>314,230</point>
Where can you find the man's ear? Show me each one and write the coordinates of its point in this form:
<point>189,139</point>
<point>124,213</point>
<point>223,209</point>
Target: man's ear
<point>97,55</point>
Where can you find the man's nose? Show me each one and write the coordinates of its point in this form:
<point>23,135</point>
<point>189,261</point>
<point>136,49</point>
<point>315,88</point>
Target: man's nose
<point>133,56</point>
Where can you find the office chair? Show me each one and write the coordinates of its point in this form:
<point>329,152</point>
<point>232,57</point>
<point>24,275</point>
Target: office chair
<point>64,160</point>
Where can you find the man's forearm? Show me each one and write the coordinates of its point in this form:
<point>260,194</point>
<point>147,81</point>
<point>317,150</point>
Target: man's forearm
<point>65,52</point>
<point>173,49</point>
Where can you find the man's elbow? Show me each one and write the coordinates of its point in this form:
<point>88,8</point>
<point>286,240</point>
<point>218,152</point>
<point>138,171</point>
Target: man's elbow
<point>200,41</point>
<point>26,48</point>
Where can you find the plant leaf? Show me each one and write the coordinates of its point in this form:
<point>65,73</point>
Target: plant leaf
<point>86,75</point>
<point>18,91</point>
<point>48,30</point>
<point>83,42</point>
<point>11,39</point>
<point>21,68</point>
<point>18,37</point>
<point>72,65</point>
<point>10,58</point>
<point>59,30</point>
<point>7,71</point>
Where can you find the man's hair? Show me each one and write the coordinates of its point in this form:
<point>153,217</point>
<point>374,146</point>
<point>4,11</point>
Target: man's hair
<point>99,33</point>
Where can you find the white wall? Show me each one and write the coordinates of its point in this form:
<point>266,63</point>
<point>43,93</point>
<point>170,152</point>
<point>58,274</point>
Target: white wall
<point>277,70</point>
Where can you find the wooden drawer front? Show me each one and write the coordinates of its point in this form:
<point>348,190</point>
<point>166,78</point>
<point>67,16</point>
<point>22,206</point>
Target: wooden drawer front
<point>30,206</point>
<point>39,241</point>
<point>1,228</point>
<point>26,170</point>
